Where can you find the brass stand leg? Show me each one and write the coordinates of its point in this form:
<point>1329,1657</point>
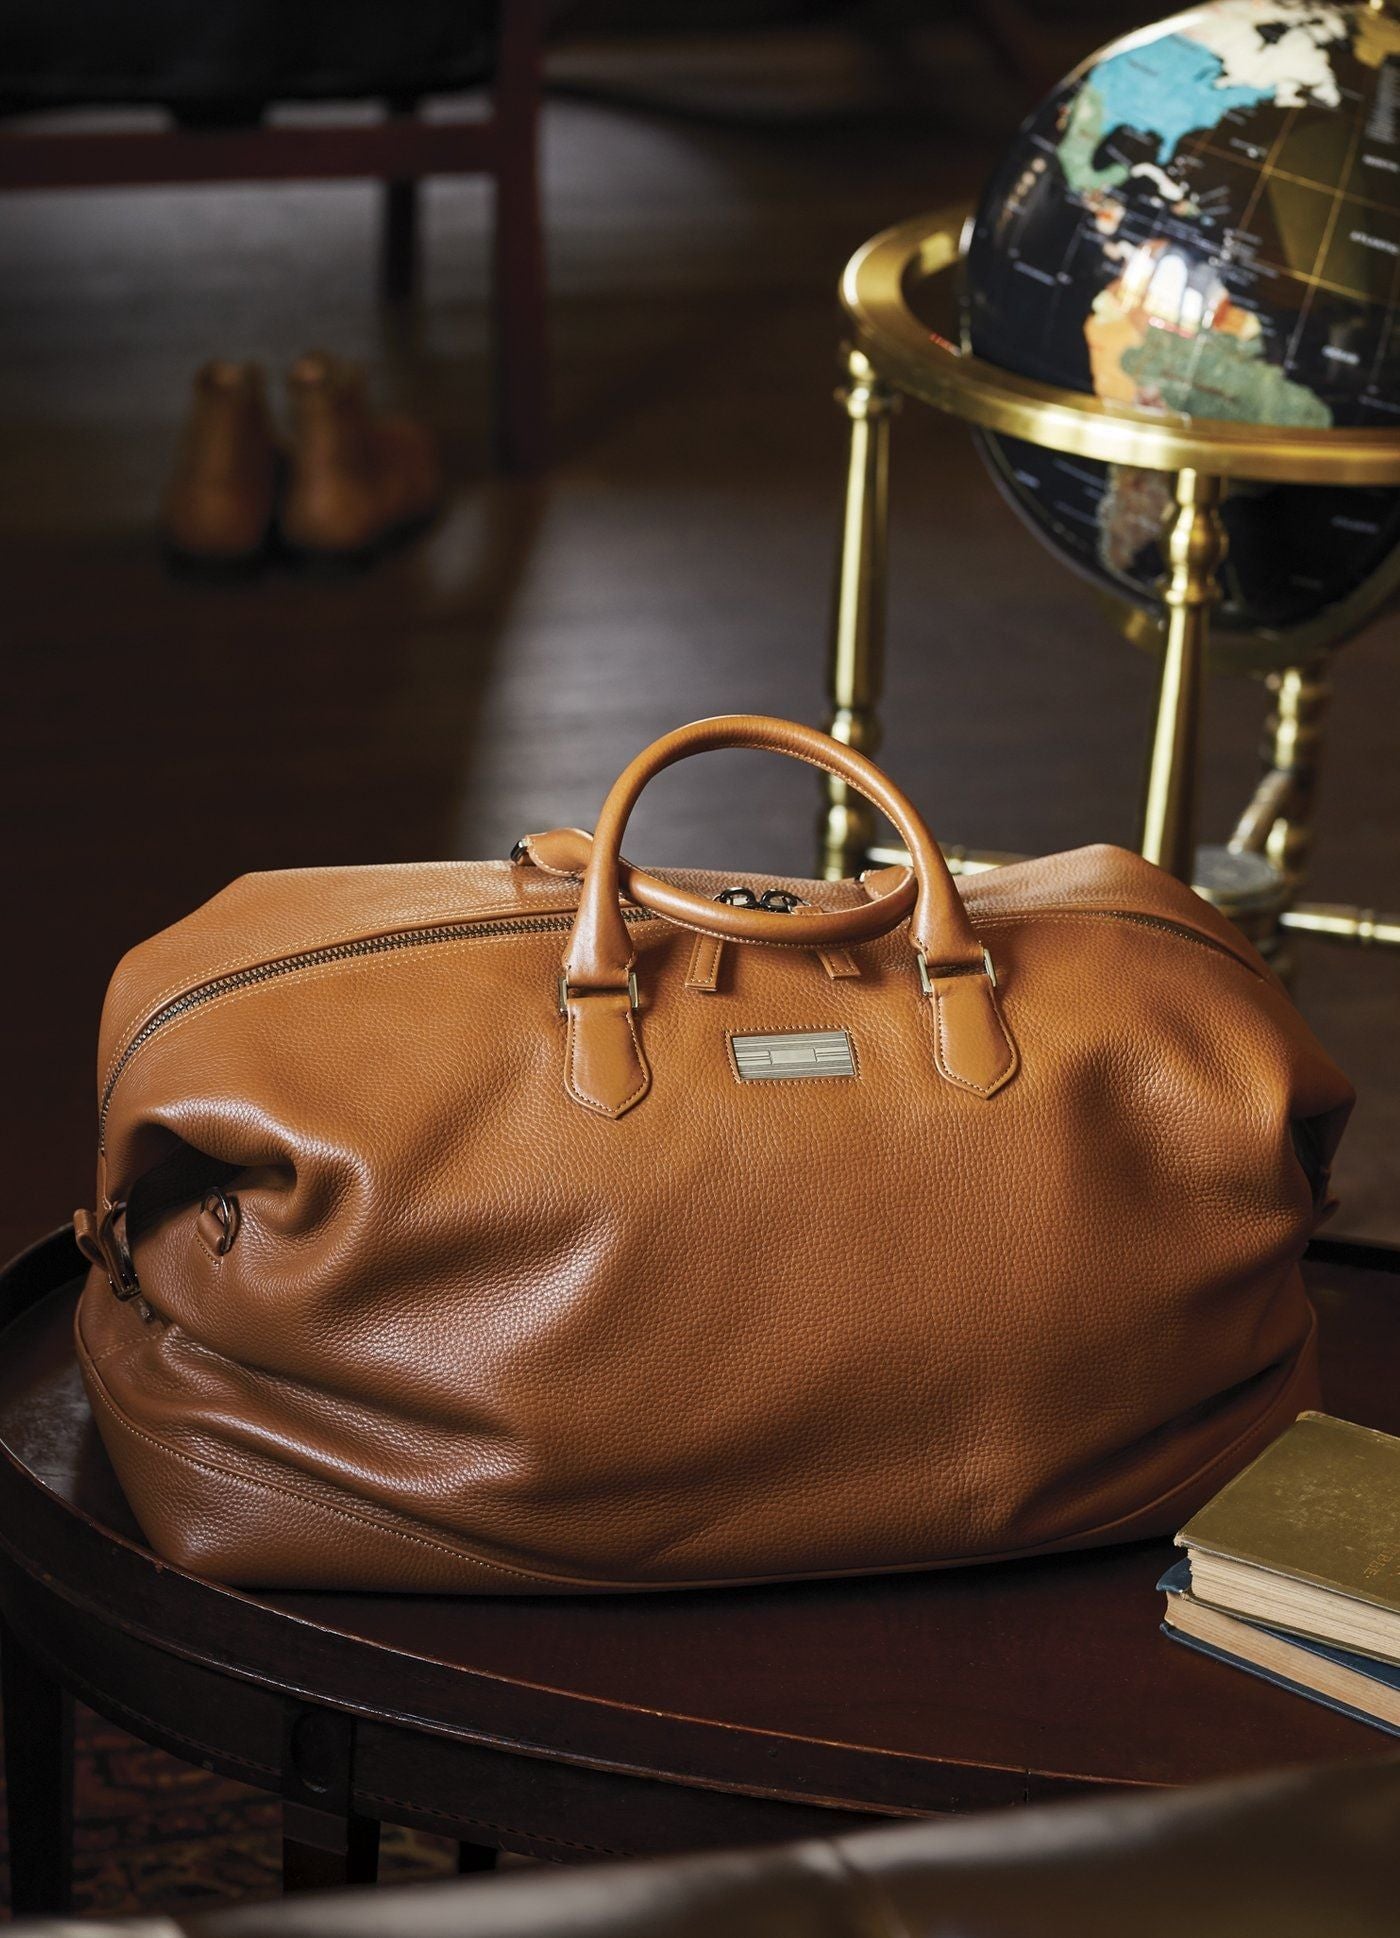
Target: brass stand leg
<point>855,677</point>
<point>1295,731</point>
<point>1195,551</point>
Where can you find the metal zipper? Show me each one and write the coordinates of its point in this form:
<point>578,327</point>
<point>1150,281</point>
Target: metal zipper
<point>458,931</point>
<point>1167,927</point>
<point>370,945</point>
<point>1175,928</point>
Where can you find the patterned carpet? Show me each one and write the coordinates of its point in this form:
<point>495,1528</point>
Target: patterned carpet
<point>155,1834</point>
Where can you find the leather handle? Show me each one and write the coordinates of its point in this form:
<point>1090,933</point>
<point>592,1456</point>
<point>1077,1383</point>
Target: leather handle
<point>606,1070</point>
<point>565,851</point>
<point>600,954</point>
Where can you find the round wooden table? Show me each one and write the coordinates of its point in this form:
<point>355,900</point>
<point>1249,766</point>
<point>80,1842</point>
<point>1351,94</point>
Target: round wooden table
<point>589,1727</point>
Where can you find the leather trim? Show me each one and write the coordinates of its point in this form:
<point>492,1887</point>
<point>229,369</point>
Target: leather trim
<point>973,1048</point>
<point>705,960</point>
<point>604,1068</point>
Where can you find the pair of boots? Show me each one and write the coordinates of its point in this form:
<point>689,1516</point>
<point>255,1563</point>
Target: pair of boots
<point>346,481</point>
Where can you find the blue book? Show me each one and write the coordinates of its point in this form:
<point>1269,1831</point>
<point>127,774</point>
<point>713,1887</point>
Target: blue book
<point>1358,1686</point>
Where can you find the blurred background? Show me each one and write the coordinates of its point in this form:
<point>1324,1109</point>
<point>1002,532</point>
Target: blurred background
<point>654,543</point>
<point>663,551</point>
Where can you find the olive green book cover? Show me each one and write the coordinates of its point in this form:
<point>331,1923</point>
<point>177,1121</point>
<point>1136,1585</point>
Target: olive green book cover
<point>1319,1507</point>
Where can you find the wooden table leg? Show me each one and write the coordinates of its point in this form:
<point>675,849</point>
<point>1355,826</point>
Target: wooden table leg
<point>39,1780</point>
<point>326,1842</point>
<point>322,1851</point>
<point>475,1858</point>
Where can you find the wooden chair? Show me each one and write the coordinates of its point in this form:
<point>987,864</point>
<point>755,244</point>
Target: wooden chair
<point>398,150</point>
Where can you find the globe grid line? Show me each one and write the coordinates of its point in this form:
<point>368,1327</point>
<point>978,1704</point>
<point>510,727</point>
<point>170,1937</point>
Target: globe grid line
<point>1334,215</point>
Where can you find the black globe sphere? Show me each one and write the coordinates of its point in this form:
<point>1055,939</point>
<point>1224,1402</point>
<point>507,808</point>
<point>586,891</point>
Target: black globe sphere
<point>1205,217</point>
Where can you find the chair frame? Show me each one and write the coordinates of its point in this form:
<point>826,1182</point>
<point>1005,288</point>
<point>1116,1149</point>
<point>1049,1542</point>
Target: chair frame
<point>398,150</point>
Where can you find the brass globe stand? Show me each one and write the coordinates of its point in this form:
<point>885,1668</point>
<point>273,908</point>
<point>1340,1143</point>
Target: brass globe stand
<point>894,354</point>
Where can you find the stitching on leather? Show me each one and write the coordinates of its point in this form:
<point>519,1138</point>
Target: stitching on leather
<point>260,1482</point>
<point>1227,1453</point>
<point>495,912</point>
<point>796,1029</point>
<point>703,974</point>
<point>485,1823</point>
<point>941,1057</point>
<point>112,1352</point>
<point>322,972</point>
<point>560,874</point>
<point>1078,1537</point>
<point>776,942</point>
<point>1193,938</point>
<point>596,1103</point>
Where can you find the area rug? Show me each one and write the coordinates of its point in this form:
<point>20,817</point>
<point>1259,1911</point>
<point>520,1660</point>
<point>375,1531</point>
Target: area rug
<point>155,1834</point>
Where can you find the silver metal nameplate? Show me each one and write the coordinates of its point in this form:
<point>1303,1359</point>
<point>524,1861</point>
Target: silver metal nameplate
<point>796,1053</point>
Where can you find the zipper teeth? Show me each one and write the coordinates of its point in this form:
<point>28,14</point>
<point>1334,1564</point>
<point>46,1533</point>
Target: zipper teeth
<point>455,932</point>
<point>1172,928</point>
<point>371,945</point>
<point>1162,923</point>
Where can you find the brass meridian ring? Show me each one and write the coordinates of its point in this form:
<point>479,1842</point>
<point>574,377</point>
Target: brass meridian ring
<point>907,354</point>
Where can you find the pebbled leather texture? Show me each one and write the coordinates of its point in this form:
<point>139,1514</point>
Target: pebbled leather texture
<point>493,1304</point>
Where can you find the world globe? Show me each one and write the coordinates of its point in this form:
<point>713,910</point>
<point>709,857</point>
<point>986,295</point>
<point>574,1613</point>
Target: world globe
<point>1205,218</point>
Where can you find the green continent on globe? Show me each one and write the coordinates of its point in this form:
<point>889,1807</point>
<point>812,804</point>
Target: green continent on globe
<point>1219,374</point>
<point>1084,131</point>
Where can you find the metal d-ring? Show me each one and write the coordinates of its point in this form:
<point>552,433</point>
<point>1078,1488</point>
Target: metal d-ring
<point>224,1211</point>
<point>116,1253</point>
<point>566,990</point>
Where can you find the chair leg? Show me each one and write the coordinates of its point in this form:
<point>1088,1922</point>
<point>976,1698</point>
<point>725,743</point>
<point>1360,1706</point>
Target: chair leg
<point>39,1781</point>
<point>522,409</point>
<point>398,242</point>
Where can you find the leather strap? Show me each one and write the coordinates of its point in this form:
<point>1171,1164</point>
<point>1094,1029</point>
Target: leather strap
<point>708,954</point>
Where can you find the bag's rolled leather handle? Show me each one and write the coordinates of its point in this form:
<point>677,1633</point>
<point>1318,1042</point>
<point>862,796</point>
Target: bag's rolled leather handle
<point>565,851</point>
<point>606,1070</point>
<point>600,950</point>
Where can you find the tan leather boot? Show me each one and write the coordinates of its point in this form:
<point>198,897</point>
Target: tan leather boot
<point>358,478</point>
<point>222,493</point>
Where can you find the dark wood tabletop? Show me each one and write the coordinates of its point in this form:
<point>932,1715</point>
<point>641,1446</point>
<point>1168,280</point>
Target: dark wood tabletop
<point>575,1727</point>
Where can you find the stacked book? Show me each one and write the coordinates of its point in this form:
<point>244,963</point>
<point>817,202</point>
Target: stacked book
<point>1293,1570</point>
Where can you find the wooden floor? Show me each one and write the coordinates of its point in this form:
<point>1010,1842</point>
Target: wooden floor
<point>158,738</point>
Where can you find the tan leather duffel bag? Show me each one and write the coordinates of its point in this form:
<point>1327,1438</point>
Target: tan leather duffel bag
<point>546,1225</point>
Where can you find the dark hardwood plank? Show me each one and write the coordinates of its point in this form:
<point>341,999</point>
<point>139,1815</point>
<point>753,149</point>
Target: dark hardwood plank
<point>158,738</point>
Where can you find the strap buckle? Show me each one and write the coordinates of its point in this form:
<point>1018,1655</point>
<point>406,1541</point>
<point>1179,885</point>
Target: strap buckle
<point>116,1254</point>
<point>565,991</point>
<point>927,974</point>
